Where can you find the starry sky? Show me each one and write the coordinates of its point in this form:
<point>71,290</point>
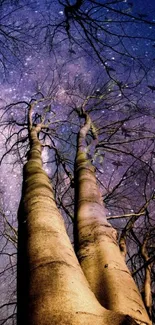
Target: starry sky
<point>105,52</point>
<point>115,65</point>
<point>41,61</point>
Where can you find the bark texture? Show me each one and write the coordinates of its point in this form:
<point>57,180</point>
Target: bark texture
<point>96,243</point>
<point>52,288</point>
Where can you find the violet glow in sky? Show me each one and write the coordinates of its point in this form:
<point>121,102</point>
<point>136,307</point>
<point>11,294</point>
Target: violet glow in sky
<point>112,61</point>
<point>47,59</point>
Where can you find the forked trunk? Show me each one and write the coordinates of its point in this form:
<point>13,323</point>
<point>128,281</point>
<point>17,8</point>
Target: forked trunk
<point>52,289</point>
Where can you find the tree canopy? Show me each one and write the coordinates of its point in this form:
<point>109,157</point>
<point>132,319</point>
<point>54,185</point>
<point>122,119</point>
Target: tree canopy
<point>63,58</point>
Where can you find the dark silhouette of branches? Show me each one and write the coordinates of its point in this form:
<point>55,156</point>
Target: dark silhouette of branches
<point>122,150</point>
<point>109,33</point>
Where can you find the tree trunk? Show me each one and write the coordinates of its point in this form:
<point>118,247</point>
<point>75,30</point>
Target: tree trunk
<point>96,243</point>
<point>52,288</point>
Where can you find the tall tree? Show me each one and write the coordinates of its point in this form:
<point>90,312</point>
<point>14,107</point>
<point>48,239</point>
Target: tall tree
<point>108,34</point>
<point>117,195</point>
<point>52,287</point>
<point>96,241</point>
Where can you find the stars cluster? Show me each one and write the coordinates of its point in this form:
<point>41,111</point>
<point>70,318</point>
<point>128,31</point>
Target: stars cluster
<point>103,58</point>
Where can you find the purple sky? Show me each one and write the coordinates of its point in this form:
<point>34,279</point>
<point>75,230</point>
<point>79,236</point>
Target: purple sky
<point>70,70</point>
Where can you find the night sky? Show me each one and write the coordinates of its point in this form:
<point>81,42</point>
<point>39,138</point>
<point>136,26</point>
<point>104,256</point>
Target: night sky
<point>106,53</point>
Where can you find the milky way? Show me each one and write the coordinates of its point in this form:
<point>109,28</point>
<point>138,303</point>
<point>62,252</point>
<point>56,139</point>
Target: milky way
<point>103,54</point>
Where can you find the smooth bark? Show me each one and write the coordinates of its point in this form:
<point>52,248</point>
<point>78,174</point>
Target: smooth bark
<point>96,242</point>
<point>52,288</point>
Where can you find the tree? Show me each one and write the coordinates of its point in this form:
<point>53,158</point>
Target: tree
<point>51,284</point>
<point>106,37</point>
<point>117,195</point>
